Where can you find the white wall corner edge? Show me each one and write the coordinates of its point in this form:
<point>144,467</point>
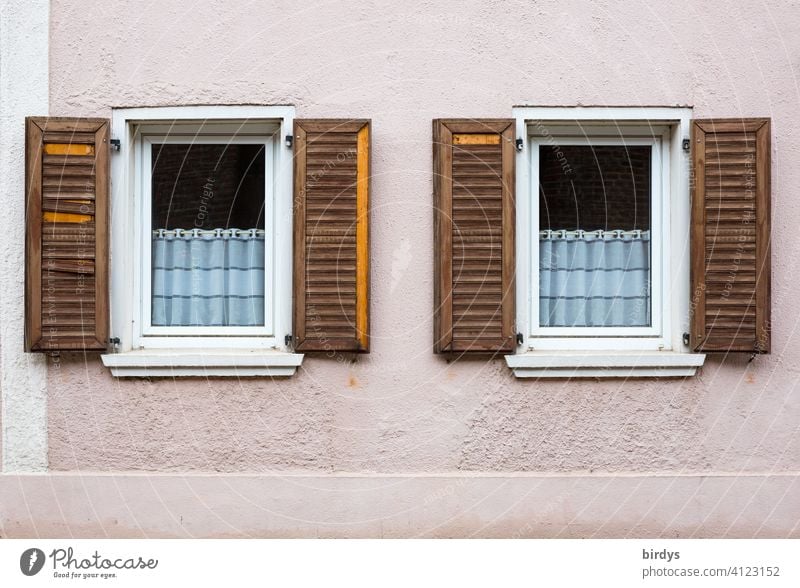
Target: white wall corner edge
<point>24,91</point>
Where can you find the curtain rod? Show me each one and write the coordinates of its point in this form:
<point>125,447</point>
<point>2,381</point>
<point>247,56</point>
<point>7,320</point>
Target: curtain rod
<point>208,232</point>
<point>600,234</point>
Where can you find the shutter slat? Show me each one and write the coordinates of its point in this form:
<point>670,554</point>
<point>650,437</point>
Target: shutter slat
<point>73,181</point>
<point>474,236</point>
<point>66,273</point>
<point>331,183</point>
<point>69,206</point>
<point>730,235</point>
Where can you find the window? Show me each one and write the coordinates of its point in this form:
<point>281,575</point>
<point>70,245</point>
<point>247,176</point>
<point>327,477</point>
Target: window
<point>562,239</point>
<point>201,241</point>
<point>239,235</point>
<point>603,260</point>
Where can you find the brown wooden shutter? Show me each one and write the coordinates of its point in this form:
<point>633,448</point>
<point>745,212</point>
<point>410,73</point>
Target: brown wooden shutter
<point>473,179</point>
<point>66,248</point>
<point>331,235</point>
<point>731,235</point>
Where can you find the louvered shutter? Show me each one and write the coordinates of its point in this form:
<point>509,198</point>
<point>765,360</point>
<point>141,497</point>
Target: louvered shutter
<point>331,235</point>
<point>731,235</point>
<point>66,249</point>
<point>473,178</point>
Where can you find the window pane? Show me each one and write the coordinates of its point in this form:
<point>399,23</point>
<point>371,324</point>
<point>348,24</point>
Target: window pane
<point>208,235</point>
<point>594,236</point>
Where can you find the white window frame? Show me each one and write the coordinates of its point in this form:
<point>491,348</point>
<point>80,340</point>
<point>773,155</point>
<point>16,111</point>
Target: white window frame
<point>129,209</point>
<point>670,294</point>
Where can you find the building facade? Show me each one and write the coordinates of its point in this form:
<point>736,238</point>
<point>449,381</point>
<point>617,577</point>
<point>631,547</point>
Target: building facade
<point>621,428</point>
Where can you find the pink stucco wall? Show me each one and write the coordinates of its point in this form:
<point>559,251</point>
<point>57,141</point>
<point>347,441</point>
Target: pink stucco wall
<point>401,409</point>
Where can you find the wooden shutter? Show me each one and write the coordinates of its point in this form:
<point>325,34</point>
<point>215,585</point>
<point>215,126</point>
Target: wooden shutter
<point>331,235</point>
<point>473,179</point>
<point>66,247</point>
<point>731,235</point>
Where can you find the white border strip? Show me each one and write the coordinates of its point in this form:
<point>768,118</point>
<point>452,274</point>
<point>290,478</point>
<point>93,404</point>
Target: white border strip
<point>24,90</point>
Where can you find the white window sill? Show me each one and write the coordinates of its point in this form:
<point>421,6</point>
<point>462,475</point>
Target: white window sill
<point>172,363</point>
<point>620,364</point>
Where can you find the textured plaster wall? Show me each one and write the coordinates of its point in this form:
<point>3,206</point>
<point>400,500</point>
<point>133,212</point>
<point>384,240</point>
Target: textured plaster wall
<point>401,409</point>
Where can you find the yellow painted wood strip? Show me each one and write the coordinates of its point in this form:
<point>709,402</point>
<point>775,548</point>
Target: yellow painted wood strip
<point>68,149</point>
<point>476,139</point>
<point>66,217</point>
<point>362,237</point>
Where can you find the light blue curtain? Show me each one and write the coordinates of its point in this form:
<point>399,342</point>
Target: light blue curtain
<point>594,279</point>
<point>208,278</point>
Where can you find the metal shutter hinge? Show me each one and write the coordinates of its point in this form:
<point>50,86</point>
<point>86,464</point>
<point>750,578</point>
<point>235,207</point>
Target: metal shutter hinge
<point>288,340</point>
<point>289,141</point>
<point>686,144</point>
<point>520,339</point>
<point>519,144</point>
<point>115,144</point>
<point>686,339</point>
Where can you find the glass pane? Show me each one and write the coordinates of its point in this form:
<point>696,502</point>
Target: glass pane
<point>594,236</point>
<point>208,235</point>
